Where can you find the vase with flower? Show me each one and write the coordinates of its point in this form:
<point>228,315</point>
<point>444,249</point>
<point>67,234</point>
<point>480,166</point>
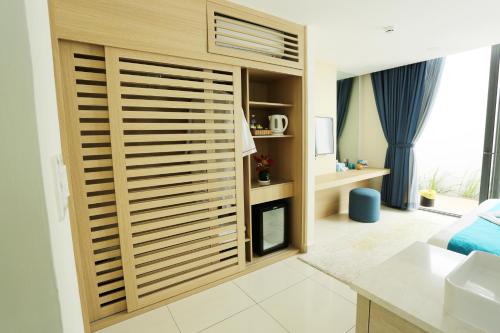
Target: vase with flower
<point>264,163</point>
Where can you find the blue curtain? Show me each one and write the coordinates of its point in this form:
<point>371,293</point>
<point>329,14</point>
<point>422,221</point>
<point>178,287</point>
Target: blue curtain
<point>344,88</point>
<point>398,94</point>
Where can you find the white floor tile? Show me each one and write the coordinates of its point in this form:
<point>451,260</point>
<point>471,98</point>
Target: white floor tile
<point>352,330</point>
<point>268,281</point>
<point>155,321</point>
<point>300,266</point>
<point>252,320</point>
<point>335,285</point>
<point>310,307</point>
<point>208,307</point>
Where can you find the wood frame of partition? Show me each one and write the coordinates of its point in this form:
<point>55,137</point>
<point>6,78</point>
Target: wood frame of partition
<point>70,20</point>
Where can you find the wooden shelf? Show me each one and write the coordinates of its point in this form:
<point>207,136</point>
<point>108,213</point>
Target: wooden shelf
<point>272,136</point>
<point>268,105</point>
<point>278,189</point>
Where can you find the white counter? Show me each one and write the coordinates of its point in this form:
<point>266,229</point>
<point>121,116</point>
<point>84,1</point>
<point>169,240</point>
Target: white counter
<point>411,285</point>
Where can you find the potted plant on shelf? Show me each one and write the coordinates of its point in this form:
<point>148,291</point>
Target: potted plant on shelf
<point>263,163</point>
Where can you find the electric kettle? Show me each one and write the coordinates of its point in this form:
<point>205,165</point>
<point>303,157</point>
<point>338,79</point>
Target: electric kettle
<point>278,123</point>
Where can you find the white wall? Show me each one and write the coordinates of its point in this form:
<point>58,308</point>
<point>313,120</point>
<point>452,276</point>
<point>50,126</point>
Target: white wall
<point>321,101</point>
<point>50,146</point>
<point>348,143</point>
<point>363,137</point>
<point>29,299</point>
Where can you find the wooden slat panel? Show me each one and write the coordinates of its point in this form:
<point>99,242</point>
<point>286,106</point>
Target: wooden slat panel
<point>183,229</point>
<point>89,76</point>
<point>92,101</point>
<point>281,54</point>
<point>107,255</point>
<point>176,126</point>
<point>136,79</point>
<point>177,115</point>
<point>98,175</point>
<point>97,199</point>
<point>177,137</point>
<point>89,63</point>
<point>95,138</point>
<point>177,147</point>
<point>142,91</point>
<point>111,286</point>
<point>103,222</point>
<point>187,276</point>
<point>162,213</point>
<point>112,297</point>
<point>104,163</point>
<point>90,89</point>
<point>100,245</point>
<point>240,34</point>
<point>180,199</point>
<point>109,276</point>
<point>183,218</point>
<point>173,194</point>
<point>151,103</point>
<point>161,264</point>
<point>76,64</point>
<point>106,266</point>
<point>182,268</point>
<point>179,189</point>
<point>255,27</point>
<point>177,158</point>
<point>194,74</point>
<point>163,181</point>
<point>183,248</point>
<point>179,240</point>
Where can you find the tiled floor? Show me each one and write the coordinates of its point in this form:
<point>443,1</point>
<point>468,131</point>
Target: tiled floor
<point>289,296</point>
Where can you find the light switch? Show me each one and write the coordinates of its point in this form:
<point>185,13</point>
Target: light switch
<point>62,187</point>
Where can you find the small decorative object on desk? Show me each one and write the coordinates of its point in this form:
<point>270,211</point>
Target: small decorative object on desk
<point>264,163</point>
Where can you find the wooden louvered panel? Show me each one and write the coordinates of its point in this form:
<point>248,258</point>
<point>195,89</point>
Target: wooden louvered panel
<point>244,35</point>
<point>86,116</point>
<point>177,166</point>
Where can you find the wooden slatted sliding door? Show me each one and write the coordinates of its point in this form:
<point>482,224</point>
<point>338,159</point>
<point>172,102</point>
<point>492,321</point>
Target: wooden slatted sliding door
<point>86,122</point>
<point>178,172</point>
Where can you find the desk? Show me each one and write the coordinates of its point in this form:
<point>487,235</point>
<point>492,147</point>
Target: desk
<point>337,179</point>
<point>332,189</point>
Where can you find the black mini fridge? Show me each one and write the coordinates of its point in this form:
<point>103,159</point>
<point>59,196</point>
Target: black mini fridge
<point>270,226</point>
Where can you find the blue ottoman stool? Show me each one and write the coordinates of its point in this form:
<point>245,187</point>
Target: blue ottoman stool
<point>364,205</point>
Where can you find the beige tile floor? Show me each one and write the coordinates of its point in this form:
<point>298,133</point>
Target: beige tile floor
<point>289,296</point>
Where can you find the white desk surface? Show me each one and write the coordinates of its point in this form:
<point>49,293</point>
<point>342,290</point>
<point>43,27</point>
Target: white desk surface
<point>411,285</point>
<point>335,179</point>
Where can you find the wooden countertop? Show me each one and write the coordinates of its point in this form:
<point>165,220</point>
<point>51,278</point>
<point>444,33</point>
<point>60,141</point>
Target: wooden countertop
<point>336,179</point>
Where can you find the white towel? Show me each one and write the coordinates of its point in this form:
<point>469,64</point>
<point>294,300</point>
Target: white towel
<point>246,137</point>
<point>493,217</point>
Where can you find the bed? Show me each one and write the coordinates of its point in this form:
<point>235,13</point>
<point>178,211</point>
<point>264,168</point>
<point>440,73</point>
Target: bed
<point>471,232</point>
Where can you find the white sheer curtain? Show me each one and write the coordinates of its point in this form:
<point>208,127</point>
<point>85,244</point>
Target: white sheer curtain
<point>431,86</point>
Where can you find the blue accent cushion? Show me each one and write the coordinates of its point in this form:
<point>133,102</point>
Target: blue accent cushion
<point>364,205</point>
<point>480,235</point>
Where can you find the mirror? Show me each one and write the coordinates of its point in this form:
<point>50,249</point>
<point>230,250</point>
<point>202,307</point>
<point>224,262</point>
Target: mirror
<point>325,136</point>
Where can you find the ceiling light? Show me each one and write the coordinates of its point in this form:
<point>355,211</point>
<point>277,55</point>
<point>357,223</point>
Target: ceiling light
<point>389,29</point>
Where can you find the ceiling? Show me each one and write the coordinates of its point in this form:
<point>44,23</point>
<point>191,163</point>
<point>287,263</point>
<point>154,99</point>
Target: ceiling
<point>351,34</point>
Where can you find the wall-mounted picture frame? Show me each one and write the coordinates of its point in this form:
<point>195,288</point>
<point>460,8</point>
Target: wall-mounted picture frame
<point>325,136</point>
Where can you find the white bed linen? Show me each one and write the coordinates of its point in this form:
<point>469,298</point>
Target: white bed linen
<point>443,237</point>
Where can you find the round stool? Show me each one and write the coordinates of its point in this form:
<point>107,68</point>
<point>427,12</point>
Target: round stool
<point>364,205</point>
